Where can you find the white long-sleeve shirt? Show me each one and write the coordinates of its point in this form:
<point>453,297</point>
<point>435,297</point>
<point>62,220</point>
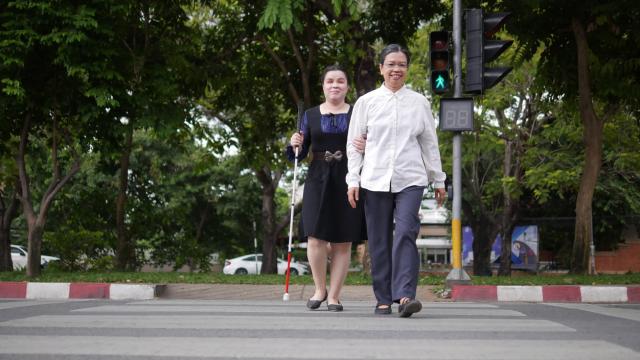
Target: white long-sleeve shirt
<point>402,145</point>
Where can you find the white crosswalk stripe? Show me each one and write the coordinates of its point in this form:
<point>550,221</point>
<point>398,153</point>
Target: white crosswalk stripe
<point>14,304</point>
<point>619,311</point>
<point>272,329</point>
<point>312,349</point>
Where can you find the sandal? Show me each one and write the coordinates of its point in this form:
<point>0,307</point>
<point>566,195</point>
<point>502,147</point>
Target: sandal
<point>382,309</point>
<point>314,304</point>
<point>409,307</point>
<point>335,307</point>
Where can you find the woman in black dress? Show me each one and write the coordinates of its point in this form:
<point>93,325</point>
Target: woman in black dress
<point>327,217</point>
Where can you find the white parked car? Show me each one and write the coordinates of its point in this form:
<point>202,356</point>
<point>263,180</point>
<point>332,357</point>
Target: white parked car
<point>19,257</point>
<point>247,264</point>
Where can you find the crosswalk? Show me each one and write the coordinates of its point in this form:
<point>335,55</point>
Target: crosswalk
<point>195,329</point>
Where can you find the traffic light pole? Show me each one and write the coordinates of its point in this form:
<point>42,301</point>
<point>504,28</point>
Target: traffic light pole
<point>457,275</point>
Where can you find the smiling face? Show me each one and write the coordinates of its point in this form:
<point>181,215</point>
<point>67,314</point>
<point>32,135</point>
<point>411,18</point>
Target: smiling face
<point>335,86</point>
<point>394,70</point>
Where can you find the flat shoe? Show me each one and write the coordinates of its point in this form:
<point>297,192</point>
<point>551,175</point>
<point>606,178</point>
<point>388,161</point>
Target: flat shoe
<point>334,307</point>
<point>407,309</point>
<point>314,304</point>
<point>382,311</point>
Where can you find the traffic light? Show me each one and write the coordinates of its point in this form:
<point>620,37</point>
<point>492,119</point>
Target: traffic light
<point>439,52</point>
<point>480,50</point>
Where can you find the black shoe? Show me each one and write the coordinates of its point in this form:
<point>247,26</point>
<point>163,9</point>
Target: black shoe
<point>382,310</point>
<point>407,309</point>
<point>334,307</point>
<point>314,304</point>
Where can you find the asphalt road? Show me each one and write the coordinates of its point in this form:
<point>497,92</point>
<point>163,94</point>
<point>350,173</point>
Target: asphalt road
<point>254,329</point>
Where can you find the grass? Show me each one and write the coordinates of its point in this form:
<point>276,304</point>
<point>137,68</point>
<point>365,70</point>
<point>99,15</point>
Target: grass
<point>566,279</point>
<point>352,278</point>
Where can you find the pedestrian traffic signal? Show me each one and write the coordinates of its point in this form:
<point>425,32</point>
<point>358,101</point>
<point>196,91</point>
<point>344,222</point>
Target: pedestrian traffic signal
<point>480,50</point>
<point>439,52</point>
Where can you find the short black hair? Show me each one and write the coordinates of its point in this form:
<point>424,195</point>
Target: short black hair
<point>392,48</point>
<point>334,67</point>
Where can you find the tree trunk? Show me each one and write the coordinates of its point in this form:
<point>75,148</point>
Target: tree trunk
<point>7,215</point>
<point>592,135</point>
<point>509,210</point>
<point>125,252</point>
<point>36,222</point>
<point>505,250</point>
<point>366,71</point>
<point>34,247</point>
<point>269,184</point>
<point>484,234</point>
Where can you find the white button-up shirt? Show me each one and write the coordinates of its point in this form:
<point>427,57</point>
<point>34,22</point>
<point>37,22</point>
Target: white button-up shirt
<point>402,145</point>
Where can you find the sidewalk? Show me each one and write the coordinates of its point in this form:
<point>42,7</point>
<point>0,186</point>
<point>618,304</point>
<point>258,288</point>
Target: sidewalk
<point>33,290</point>
<point>475,293</point>
<point>274,292</point>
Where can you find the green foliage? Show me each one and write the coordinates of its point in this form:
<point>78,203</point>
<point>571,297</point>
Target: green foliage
<point>279,12</point>
<point>80,249</point>
<point>50,275</point>
<point>12,88</point>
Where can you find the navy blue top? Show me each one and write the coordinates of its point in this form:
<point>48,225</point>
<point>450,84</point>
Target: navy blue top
<point>337,124</point>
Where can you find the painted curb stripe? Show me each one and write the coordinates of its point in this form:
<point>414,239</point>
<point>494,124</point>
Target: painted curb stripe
<point>10,290</point>
<point>595,294</point>
<point>561,293</point>
<point>47,290</point>
<point>520,293</point>
<point>551,293</point>
<point>132,292</point>
<point>633,294</point>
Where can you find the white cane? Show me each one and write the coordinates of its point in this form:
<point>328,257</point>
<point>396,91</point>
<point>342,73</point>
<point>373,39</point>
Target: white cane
<point>285,297</point>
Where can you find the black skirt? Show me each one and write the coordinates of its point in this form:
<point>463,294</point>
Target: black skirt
<point>326,213</point>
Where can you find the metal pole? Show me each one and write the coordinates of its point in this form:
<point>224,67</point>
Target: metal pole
<point>592,248</point>
<point>255,244</point>
<point>457,275</point>
<point>457,49</point>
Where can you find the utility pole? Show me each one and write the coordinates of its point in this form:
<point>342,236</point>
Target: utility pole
<point>457,275</point>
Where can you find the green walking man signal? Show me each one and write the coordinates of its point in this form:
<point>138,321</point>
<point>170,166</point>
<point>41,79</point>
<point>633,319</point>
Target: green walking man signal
<point>440,83</point>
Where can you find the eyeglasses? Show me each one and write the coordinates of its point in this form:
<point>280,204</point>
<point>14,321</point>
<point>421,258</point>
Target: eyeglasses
<point>396,65</point>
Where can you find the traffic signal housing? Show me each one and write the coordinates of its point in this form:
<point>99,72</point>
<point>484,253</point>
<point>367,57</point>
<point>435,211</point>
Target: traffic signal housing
<point>440,61</point>
<point>481,49</point>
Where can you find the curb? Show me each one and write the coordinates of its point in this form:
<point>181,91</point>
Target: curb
<point>39,290</point>
<point>550,293</point>
<point>477,293</point>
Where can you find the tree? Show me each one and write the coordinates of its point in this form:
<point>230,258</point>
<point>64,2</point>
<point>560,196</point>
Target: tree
<point>590,56</point>
<point>554,162</point>
<point>155,54</point>
<point>52,83</point>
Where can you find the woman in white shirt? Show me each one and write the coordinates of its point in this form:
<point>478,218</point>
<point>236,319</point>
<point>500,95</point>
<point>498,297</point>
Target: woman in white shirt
<point>400,159</point>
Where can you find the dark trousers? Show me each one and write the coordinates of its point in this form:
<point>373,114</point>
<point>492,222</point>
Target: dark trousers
<point>395,261</point>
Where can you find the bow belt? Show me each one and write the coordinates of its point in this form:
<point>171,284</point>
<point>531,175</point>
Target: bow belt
<point>328,156</point>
